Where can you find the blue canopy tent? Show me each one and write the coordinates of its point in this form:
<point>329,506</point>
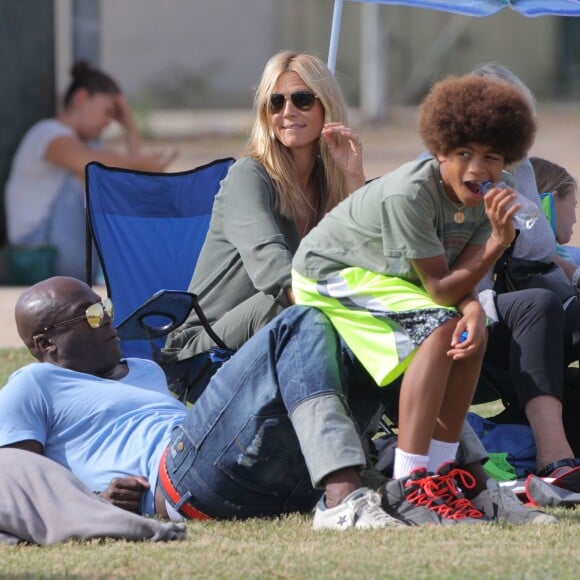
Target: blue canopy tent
<point>529,8</point>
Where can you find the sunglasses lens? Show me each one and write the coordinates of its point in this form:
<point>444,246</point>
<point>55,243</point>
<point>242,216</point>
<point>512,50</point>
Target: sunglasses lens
<point>303,100</point>
<point>109,309</point>
<point>95,314</point>
<point>277,101</point>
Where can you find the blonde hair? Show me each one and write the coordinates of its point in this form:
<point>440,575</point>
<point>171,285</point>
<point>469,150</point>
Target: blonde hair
<point>553,177</point>
<point>327,177</point>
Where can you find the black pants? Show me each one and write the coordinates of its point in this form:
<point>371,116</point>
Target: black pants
<point>533,344</point>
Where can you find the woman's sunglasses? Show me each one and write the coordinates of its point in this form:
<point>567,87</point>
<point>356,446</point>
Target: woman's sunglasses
<point>303,100</point>
<point>94,315</point>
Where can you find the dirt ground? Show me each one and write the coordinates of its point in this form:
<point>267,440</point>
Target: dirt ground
<point>385,146</point>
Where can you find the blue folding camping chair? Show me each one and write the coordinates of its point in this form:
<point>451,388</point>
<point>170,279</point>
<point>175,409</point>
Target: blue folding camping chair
<point>148,229</point>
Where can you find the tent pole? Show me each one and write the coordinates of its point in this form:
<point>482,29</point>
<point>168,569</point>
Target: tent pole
<point>334,34</point>
<point>373,63</point>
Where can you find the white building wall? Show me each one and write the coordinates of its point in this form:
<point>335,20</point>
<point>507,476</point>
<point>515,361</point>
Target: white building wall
<point>215,47</point>
<point>190,53</point>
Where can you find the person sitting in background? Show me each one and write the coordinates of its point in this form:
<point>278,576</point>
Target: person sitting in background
<point>558,195</point>
<point>524,342</point>
<point>44,191</point>
<point>301,161</point>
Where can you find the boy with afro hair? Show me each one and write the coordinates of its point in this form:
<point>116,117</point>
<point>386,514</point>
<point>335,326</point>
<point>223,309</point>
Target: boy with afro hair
<point>395,268</point>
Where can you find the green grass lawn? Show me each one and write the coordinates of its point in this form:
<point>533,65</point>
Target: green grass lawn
<point>12,359</point>
<point>289,548</point>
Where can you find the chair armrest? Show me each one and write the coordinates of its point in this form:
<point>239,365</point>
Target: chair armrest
<point>161,314</point>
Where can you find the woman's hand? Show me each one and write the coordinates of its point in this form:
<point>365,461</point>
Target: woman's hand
<point>346,149</point>
<point>123,114</point>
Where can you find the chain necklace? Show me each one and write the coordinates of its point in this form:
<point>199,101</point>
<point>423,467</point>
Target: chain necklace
<point>458,216</point>
<point>311,219</point>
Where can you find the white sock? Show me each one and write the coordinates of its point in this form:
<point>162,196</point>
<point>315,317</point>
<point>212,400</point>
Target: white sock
<point>441,452</point>
<point>405,463</point>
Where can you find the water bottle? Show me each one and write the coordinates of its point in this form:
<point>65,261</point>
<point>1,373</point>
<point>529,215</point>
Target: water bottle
<point>528,213</point>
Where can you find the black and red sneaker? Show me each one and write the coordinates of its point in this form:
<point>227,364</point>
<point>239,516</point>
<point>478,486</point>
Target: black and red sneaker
<point>425,498</point>
<point>449,477</point>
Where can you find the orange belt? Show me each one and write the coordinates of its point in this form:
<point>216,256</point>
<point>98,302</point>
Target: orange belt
<point>186,509</point>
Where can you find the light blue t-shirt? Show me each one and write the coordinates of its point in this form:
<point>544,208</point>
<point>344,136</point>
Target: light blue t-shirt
<point>98,428</point>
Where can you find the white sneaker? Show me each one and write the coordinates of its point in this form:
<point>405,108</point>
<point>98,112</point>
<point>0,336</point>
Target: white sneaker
<point>501,504</point>
<point>361,510</point>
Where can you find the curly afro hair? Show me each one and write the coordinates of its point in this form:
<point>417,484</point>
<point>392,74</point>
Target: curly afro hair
<point>471,109</point>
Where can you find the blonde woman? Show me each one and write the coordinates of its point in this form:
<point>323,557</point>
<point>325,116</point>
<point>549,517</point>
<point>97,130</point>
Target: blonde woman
<point>301,161</point>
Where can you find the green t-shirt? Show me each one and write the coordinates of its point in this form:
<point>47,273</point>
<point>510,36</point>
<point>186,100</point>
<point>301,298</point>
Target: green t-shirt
<point>390,221</point>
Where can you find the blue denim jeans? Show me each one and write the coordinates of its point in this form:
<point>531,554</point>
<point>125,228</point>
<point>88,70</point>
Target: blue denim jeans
<point>273,413</point>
